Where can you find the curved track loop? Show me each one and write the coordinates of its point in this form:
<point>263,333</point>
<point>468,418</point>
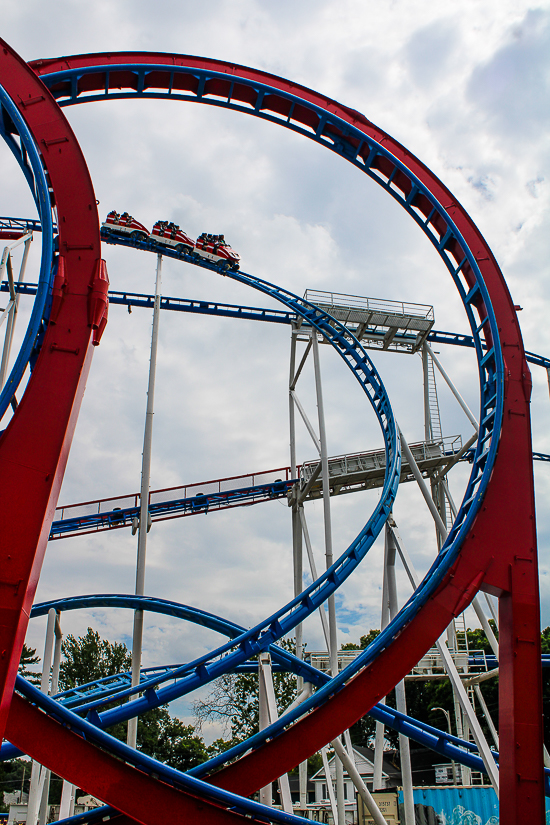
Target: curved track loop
<point>32,465</point>
<point>492,545</point>
<point>499,548</point>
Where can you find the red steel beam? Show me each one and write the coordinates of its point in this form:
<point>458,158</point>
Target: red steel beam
<point>35,445</point>
<point>135,794</point>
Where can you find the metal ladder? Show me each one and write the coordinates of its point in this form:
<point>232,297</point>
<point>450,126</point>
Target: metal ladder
<point>433,429</point>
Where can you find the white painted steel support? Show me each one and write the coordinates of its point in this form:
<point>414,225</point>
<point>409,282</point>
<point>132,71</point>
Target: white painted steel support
<point>297,544</point>
<point>491,607</point>
<point>296,526</point>
<point>267,707</point>
<point>423,486</point>
<point>66,808</point>
<point>355,777</point>
<point>144,500</point>
<point>427,418</point>
<point>458,687</point>
<point>302,785</point>
<point>333,647</point>
<point>378,753</point>
<point>265,793</point>
<point>294,375</point>
<point>487,715</point>
<point>13,313</point>
<point>469,415</point>
<point>307,422</point>
<point>488,630</point>
<point>313,569</point>
<point>390,549</point>
<point>456,458</point>
<point>481,677</point>
<point>380,729</point>
<point>5,265</point>
<point>340,799</point>
<point>304,694</point>
<point>35,793</point>
<point>299,530</point>
<point>38,773</point>
<point>43,811</point>
<point>330,787</point>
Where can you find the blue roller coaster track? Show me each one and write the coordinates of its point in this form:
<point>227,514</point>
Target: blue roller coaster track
<point>87,699</point>
<point>109,689</point>
<point>241,647</point>
<point>188,677</point>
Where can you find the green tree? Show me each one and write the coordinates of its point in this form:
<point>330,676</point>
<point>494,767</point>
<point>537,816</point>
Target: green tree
<point>160,735</point>
<point>364,641</point>
<point>90,657</point>
<point>233,700</point>
<point>29,657</point>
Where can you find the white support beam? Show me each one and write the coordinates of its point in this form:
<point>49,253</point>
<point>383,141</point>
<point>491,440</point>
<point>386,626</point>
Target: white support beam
<point>8,339</point>
<point>423,486</point>
<point>307,422</point>
<point>294,375</point>
<point>268,704</point>
<point>314,575</point>
<point>360,786</point>
<point>39,773</point>
<point>487,715</point>
<point>143,528</point>
<point>443,533</point>
<point>330,788</point>
<point>390,549</point>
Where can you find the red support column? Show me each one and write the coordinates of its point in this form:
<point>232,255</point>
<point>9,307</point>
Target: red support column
<point>520,696</point>
<point>34,447</point>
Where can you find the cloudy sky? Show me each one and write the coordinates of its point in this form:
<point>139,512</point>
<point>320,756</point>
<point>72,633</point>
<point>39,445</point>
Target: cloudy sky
<point>464,85</point>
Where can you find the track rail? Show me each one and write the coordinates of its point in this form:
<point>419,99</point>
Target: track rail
<point>32,465</point>
<point>112,688</point>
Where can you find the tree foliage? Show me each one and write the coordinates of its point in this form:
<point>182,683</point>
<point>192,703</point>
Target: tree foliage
<point>160,735</point>
<point>423,697</point>
<point>90,657</point>
<point>29,657</point>
<point>233,700</point>
<point>14,776</point>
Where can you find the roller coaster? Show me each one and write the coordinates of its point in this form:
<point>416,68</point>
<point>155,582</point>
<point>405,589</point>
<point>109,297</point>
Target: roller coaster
<point>490,546</point>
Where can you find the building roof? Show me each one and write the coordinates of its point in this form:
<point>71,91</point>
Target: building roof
<point>364,761</point>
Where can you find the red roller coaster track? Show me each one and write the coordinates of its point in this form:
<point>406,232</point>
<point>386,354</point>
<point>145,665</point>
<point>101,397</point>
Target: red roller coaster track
<point>498,555</point>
